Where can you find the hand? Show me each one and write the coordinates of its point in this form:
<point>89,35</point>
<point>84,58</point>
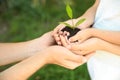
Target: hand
<point>85,48</point>
<point>82,35</point>
<point>47,39</point>
<point>87,23</point>
<point>57,31</point>
<point>88,46</point>
<point>63,57</point>
<point>42,42</point>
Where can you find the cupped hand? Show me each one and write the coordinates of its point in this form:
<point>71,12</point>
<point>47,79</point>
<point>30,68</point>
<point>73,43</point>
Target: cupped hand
<point>88,46</point>
<point>82,35</point>
<point>62,56</point>
<point>57,31</point>
<point>84,48</point>
<point>42,42</point>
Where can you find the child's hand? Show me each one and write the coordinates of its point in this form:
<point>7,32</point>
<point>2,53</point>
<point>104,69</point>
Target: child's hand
<point>88,46</point>
<point>82,35</point>
<point>80,48</point>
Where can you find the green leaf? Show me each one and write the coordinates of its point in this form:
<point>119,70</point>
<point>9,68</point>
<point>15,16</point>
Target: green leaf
<point>66,24</point>
<point>79,22</point>
<point>69,11</point>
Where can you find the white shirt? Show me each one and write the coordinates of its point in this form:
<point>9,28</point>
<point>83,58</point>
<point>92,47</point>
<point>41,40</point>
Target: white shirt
<point>108,18</point>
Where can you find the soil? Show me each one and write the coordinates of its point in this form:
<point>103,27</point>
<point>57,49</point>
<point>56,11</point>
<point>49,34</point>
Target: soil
<point>71,31</point>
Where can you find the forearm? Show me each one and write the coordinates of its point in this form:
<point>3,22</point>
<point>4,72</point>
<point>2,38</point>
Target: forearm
<point>106,46</point>
<point>110,36</point>
<point>91,12</point>
<point>12,52</point>
<point>24,69</point>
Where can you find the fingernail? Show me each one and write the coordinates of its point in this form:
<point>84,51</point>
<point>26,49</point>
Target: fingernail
<point>70,39</point>
<point>56,35</point>
<point>59,43</point>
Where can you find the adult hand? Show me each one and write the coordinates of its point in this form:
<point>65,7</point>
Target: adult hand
<point>42,42</point>
<point>57,31</point>
<point>62,56</point>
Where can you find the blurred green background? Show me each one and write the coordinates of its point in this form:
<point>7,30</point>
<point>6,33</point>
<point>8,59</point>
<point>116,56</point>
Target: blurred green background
<point>22,20</point>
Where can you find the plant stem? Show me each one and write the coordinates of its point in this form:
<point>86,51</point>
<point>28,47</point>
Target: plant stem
<point>73,24</point>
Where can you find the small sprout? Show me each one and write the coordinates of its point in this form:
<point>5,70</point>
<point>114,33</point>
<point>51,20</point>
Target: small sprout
<point>80,22</point>
<point>70,15</point>
<point>69,11</point>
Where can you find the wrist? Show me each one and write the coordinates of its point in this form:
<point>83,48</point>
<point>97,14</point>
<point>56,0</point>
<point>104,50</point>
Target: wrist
<point>92,32</point>
<point>33,46</point>
<point>44,56</point>
<point>48,53</point>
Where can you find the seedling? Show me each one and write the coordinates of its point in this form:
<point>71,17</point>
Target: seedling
<point>70,15</point>
<point>72,29</point>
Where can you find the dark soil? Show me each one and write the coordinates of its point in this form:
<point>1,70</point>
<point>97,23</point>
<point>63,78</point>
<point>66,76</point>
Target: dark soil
<point>71,31</point>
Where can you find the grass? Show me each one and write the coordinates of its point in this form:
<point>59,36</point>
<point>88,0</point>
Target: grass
<point>54,72</point>
<point>23,22</point>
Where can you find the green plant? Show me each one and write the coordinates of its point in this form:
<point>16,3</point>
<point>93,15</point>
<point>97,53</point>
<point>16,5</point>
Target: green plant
<point>70,15</point>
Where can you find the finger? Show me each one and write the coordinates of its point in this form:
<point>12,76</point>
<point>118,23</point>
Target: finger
<point>84,52</point>
<point>70,64</point>
<point>66,38</point>
<point>68,33</point>
<point>81,52</point>
<point>76,52</point>
<point>58,28</point>
<point>63,41</point>
<point>81,41</point>
<point>57,39</point>
<point>59,43</point>
<point>75,47</point>
<point>60,33</point>
<point>74,57</point>
<point>89,55</point>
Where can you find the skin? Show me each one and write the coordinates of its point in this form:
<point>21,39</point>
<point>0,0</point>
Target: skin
<point>102,34</point>
<point>50,55</point>
<point>14,52</point>
<point>34,54</point>
<point>89,15</point>
<point>92,44</point>
<point>89,36</point>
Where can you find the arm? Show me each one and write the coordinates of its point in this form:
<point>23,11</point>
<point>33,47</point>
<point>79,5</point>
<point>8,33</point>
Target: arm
<point>109,36</point>
<point>115,49</point>
<point>89,15</point>
<point>52,55</point>
<point>94,44</point>
<point>90,45</point>
<point>12,52</point>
